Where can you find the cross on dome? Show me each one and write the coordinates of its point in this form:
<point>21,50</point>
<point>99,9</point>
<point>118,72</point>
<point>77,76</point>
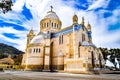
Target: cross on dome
<point>51,7</point>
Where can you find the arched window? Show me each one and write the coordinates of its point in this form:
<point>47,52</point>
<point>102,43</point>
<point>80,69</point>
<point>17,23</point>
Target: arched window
<point>83,37</point>
<point>47,24</point>
<point>36,50</point>
<point>100,60</point>
<point>55,25</point>
<point>52,24</point>
<point>61,39</point>
<point>44,25</point>
<point>39,50</point>
<point>93,60</point>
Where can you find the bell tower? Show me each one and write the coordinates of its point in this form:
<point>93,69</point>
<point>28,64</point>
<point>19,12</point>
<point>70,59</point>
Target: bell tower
<point>30,36</point>
<point>89,32</point>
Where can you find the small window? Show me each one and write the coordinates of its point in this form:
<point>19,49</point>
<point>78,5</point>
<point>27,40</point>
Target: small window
<point>83,37</point>
<point>39,50</point>
<point>47,24</point>
<point>44,25</point>
<point>34,50</point>
<point>61,39</point>
<point>52,24</point>
<point>55,25</point>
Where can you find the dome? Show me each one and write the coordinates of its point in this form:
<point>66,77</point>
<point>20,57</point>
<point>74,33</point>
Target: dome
<point>86,43</point>
<point>39,39</point>
<point>51,15</point>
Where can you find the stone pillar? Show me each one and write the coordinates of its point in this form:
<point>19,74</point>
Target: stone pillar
<point>47,58</point>
<point>47,53</point>
<point>75,41</point>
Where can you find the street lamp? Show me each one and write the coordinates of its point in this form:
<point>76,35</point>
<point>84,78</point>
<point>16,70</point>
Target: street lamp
<point>5,6</point>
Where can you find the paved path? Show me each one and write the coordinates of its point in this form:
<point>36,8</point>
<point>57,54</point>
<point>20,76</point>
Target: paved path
<point>30,75</point>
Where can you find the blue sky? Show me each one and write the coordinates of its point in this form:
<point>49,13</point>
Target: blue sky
<point>103,15</point>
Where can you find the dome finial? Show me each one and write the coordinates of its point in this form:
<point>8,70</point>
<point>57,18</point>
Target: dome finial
<point>51,7</point>
<point>31,32</point>
<point>75,18</point>
<point>82,21</point>
<point>88,26</point>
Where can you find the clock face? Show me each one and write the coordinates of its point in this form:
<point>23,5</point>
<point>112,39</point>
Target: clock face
<point>77,27</point>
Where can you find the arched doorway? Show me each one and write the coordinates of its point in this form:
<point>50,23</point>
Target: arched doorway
<point>60,60</point>
<point>100,60</point>
<point>93,61</point>
<point>51,58</point>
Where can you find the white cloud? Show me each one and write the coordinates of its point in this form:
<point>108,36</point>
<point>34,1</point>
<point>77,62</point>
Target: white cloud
<point>38,8</point>
<point>98,4</point>
<point>102,36</point>
<point>21,42</point>
<point>17,6</point>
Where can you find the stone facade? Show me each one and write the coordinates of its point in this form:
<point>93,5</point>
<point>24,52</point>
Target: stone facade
<point>69,49</point>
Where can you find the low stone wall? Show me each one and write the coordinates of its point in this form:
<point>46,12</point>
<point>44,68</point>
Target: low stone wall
<point>7,67</point>
<point>41,67</point>
<point>75,65</point>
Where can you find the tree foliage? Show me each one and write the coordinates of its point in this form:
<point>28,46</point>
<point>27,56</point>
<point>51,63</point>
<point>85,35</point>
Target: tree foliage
<point>18,59</point>
<point>114,54</point>
<point>5,6</point>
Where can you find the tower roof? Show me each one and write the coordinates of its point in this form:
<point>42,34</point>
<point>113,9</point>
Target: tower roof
<point>75,18</point>
<point>88,26</point>
<point>82,21</point>
<point>31,32</point>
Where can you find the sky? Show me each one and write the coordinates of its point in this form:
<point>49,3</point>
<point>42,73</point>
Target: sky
<point>103,15</point>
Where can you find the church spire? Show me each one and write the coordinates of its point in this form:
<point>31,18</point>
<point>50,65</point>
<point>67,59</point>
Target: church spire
<point>75,18</point>
<point>30,35</point>
<point>31,32</point>
<point>82,21</point>
<point>88,26</point>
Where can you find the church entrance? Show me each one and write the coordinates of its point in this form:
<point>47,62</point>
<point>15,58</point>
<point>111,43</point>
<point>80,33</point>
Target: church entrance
<point>93,62</point>
<point>100,63</point>
<point>48,60</point>
<point>51,57</point>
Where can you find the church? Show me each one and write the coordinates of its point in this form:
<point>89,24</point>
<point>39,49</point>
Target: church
<point>55,48</point>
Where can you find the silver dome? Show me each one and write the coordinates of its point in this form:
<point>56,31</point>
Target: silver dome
<point>51,15</point>
<point>39,39</point>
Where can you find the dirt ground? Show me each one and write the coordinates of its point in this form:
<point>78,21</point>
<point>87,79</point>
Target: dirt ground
<point>23,75</point>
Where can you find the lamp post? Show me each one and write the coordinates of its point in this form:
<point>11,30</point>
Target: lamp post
<point>5,6</point>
